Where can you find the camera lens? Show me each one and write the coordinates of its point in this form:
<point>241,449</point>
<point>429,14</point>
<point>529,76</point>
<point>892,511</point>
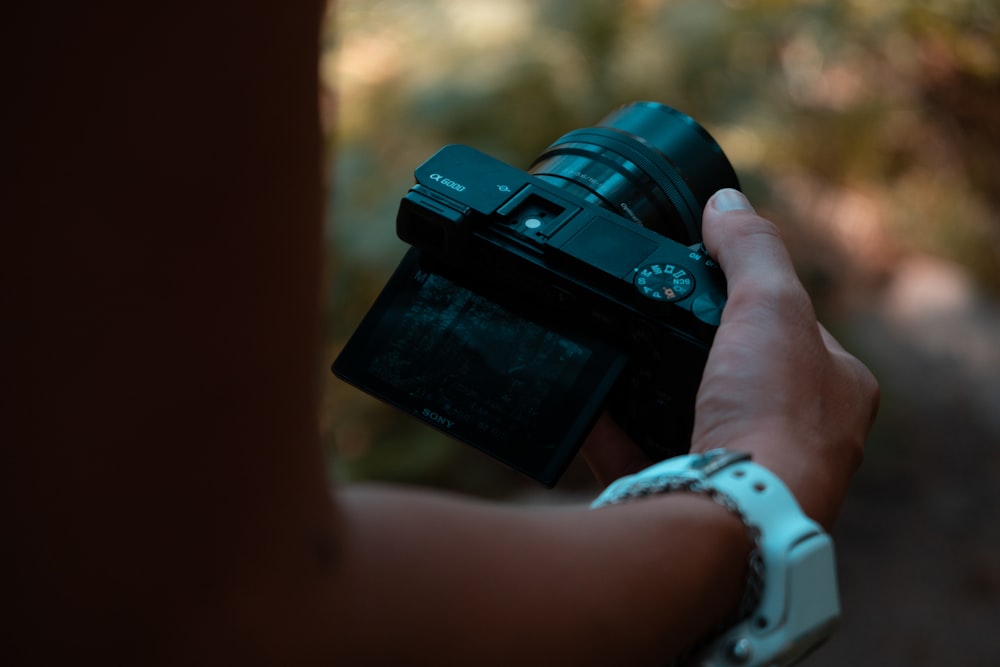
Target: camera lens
<point>644,161</point>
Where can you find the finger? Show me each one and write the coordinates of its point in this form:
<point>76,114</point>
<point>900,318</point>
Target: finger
<point>610,453</point>
<point>747,247</point>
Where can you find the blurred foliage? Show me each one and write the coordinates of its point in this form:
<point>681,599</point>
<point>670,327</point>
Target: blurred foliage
<point>869,129</point>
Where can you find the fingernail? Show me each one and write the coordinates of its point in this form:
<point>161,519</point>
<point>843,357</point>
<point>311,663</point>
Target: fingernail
<point>730,200</point>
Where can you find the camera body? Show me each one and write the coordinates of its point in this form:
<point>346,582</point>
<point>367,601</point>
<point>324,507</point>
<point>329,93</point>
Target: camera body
<point>532,301</point>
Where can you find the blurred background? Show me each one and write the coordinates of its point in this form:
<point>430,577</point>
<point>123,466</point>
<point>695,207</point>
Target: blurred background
<point>868,130</point>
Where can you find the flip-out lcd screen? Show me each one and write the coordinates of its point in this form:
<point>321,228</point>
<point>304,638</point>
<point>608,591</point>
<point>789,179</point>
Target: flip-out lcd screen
<point>479,371</point>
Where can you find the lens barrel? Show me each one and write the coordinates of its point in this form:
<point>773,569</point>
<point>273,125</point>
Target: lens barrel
<point>645,161</point>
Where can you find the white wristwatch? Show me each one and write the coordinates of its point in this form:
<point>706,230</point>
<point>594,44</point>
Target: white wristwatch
<point>793,603</point>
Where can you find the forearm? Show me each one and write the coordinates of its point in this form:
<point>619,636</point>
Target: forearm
<point>436,579</point>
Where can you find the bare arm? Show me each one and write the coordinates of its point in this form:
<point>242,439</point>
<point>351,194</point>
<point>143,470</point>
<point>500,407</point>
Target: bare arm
<point>432,579</point>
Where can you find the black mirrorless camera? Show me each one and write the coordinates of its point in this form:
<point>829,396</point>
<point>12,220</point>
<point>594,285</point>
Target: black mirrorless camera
<point>531,301</point>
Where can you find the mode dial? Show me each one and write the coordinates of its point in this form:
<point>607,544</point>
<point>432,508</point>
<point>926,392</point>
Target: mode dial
<point>664,282</point>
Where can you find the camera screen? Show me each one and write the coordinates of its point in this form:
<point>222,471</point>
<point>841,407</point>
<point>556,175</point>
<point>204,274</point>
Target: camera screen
<point>524,392</point>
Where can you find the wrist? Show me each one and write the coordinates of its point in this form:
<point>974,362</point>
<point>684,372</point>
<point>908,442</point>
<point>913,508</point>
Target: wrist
<point>679,563</point>
<point>798,605</point>
<point>812,470</point>
<point>690,475</point>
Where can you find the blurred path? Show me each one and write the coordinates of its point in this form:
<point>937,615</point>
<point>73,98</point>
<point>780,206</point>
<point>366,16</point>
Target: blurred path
<point>919,540</point>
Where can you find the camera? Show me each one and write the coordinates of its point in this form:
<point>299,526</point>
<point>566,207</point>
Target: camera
<point>531,301</point>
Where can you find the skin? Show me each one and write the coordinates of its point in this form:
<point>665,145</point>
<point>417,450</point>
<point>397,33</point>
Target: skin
<point>163,484</point>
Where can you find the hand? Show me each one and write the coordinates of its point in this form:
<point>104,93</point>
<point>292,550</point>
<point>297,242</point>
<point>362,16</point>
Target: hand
<point>776,383</point>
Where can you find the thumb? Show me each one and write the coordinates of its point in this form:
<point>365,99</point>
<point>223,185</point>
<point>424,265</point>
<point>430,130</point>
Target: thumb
<point>748,248</point>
